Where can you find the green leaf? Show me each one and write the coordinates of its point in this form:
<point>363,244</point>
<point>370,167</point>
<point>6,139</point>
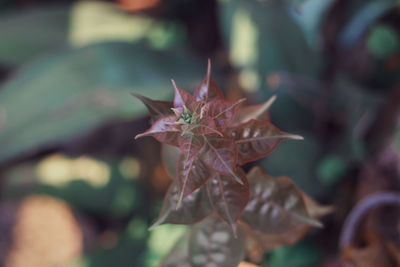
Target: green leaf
<point>359,17</point>
<point>330,169</point>
<point>70,93</point>
<point>31,32</point>
<point>179,254</point>
<point>263,37</point>
<point>276,204</point>
<point>170,235</point>
<point>212,244</point>
<point>300,255</point>
<point>383,41</point>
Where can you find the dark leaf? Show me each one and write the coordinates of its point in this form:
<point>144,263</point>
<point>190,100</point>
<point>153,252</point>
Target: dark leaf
<point>212,243</point>
<point>228,197</point>
<point>191,174</point>
<point>20,28</point>
<point>182,98</point>
<point>156,108</point>
<point>258,242</point>
<point>72,92</point>
<point>194,208</point>
<point>256,112</point>
<point>221,111</point>
<point>208,89</point>
<point>220,155</point>
<point>164,131</point>
<point>276,204</point>
<point>256,139</point>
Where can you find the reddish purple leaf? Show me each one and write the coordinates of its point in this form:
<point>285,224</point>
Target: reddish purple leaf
<point>228,197</point>
<point>191,174</point>
<point>255,139</point>
<point>220,155</point>
<point>156,108</point>
<point>205,126</point>
<point>221,111</point>
<point>182,98</point>
<point>276,204</point>
<point>208,89</point>
<point>194,208</point>
<point>213,244</point>
<point>256,112</point>
<point>164,131</point>
<point>190,144</point>
<point>258,243</point>
<point>191,171</point>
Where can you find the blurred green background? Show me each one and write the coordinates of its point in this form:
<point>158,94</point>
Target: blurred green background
<point>77,190</point>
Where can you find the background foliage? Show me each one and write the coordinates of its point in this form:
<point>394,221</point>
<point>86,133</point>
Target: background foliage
<point>67,120</point>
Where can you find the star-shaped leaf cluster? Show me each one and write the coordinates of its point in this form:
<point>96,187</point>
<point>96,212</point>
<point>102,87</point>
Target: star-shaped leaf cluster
<point>215,137</point>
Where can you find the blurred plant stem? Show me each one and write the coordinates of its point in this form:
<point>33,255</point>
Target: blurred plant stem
<point>385,123</point>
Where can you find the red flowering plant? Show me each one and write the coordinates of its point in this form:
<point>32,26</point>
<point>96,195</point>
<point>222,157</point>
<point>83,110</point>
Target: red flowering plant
<point>215,138</point>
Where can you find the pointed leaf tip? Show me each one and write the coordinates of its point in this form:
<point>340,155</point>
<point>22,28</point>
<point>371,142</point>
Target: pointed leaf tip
<point>208,90</point>
<point>295,137</point>
<point>277,204</point>
<point>156,108</point>
<point>193,208</point>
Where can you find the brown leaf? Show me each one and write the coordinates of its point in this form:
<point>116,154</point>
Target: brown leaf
<point>221,112</point>
<point>156,108</point>
<point>228,197</point>
<point>194,207</point>
<point>276,204</point>
<point>378,251</point>
<point>247,264</point>
<point>257,243</point>
<point>191,174</point>
<point>212,243</point>
<point>220,155</point>
<point>163,130</point>
<point>182,98</point>
<point>256,139</point>
<point>256,112</point>
<point>314,209</point>
<point>208,89</point>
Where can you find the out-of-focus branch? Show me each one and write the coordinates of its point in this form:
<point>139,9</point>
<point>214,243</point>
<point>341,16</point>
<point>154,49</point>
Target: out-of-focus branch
<point>383,127</point>
<point>366,204</point>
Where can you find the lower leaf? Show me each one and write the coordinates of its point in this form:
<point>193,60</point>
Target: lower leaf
<point>194,207</point>
<point>179,254</point>
<point>220,155</point>
<point>276,204</point>
<point>212,243</point>
<point>191,174</point>
<point>228,197</point>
